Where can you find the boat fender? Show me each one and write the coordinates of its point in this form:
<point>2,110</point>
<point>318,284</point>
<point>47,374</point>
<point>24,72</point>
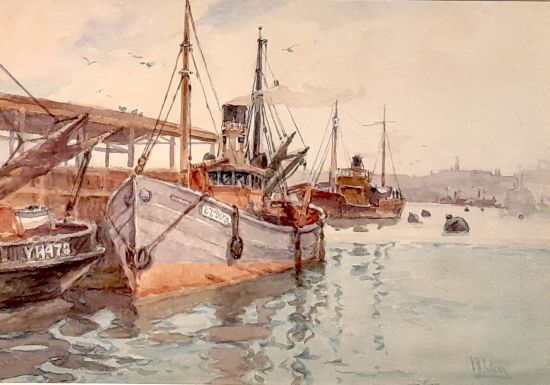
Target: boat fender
<point>297,251</point>
<point>128,198</point>
<point>139,260</point>
<point>130,252</point>
<point>236,247</point>
<point>142,259</point>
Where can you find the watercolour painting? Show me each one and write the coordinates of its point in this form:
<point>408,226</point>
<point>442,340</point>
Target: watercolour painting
<point>274,192</point>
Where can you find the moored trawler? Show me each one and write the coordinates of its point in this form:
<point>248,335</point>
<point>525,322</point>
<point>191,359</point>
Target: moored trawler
<point>219,224</point>
<point>39,262</point>
<point>349,193</point>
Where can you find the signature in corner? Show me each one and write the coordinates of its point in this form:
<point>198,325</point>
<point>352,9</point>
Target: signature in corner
<point>483,367</point>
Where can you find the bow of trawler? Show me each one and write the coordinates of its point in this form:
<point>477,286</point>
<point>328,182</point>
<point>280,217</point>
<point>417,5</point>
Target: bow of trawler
<point>229,218</point>
<point>170,237</point>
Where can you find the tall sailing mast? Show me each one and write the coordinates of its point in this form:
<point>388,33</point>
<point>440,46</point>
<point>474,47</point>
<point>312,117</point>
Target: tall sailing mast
<point>185,121</point>
<point>258,97</point>
<point>384,137</point>
<point>333,159</point>
<point>383,176</point>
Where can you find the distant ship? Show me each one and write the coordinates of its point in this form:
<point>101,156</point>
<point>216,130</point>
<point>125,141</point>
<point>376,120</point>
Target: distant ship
<point>349,193</point>
<point>219,224</point>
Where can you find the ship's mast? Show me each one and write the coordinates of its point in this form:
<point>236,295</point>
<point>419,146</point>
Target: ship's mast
<point>384,122</point>
<point>258,97</point>
<point>333,158</point>
<point>383,176</point>
<point>185,121</point>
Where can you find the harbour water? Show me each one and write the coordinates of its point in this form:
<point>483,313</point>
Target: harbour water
<point>400,304</point>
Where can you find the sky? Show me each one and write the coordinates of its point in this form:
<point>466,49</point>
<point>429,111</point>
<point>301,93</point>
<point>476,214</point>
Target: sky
<point>465,79</point>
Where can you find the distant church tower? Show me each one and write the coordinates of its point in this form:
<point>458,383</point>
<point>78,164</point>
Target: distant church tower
<point>457,164</point>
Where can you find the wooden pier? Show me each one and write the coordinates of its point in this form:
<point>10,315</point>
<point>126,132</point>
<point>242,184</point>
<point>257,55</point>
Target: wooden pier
<point>23,116</point>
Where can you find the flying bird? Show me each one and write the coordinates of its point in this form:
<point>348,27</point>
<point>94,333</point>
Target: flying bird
<point>147,64</point>
<point>135,56</point>
<point>88,61</point>
<point>122,108</point>
<point>289,49</point>
<point>99,91</point>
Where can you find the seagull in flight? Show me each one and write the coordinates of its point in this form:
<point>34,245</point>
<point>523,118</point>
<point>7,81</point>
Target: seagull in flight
<point>88,61</point>
<point>147,64</point>
<point>289,49</point>
<point>135,56</point>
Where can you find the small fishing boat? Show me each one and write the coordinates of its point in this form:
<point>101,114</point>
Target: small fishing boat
<point>349,193</point>
<point>220,223</point>
<point>40,256</point>
<point>39,262</point>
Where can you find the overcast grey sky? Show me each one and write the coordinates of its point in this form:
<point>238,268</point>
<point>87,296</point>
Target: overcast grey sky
<point>468,79</point>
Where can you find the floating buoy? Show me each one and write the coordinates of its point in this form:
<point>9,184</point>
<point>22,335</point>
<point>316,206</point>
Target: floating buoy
<point>455,225</point>
<point>425,213</point>
<point>467,209</point>
<point>413,218</point>
<point>521,217</point>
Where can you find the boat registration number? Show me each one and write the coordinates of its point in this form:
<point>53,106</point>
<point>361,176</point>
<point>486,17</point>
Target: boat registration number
<point>47,251</point>
<point>216,214</point>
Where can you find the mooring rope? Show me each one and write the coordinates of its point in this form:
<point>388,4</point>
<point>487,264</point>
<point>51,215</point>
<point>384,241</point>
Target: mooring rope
<point>162,235</point>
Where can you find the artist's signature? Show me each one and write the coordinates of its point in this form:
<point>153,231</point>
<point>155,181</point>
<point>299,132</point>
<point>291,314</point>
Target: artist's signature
<point>485,367</point>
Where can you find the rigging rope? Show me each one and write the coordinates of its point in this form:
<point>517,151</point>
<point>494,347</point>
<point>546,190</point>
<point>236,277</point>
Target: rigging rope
<point>377,153</point>
<point>343,144</point>
<point>392,164</point>
<point>295,125</point>
<point>204,94</point>
<point>162,235</point>
<point>56,119</point>
<point>321,164</point>
<point>267,130</point>
<point>275,123</point>
<point>146,157</point>
<point>150,142</point>
<point>78,183</point>
<point>203,58</point>
<point>322,141</point>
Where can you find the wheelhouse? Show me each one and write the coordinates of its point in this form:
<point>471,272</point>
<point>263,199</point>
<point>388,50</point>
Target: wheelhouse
<point>236,178</point>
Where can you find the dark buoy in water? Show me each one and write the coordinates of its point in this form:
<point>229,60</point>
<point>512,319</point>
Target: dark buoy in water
<point>482,209</point>
<point>467,209</point>
<point>455,225</point>
<point>413,218</point>
<point>425,213</point>
<point>521,217</point>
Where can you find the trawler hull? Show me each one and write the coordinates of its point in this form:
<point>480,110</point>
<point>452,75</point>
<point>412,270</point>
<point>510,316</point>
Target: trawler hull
<point>336,206</point>
<point>194,250</point>
<point>44,264</point>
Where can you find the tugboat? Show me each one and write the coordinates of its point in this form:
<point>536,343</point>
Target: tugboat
<point>39,260</point>
<point>349,193</point>
<point>219,224</point>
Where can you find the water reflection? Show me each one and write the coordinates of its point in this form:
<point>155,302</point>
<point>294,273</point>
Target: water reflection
<point>372,312</point>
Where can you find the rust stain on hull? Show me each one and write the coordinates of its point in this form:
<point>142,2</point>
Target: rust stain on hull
<point>169,278</point>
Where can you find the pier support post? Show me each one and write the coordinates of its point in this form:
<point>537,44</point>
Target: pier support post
<point>297,251</point>
<point>11,148</point>
<point>131,141</point>
<point>107,151</point>
<point>322,243</point>
<point>172,152</point>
